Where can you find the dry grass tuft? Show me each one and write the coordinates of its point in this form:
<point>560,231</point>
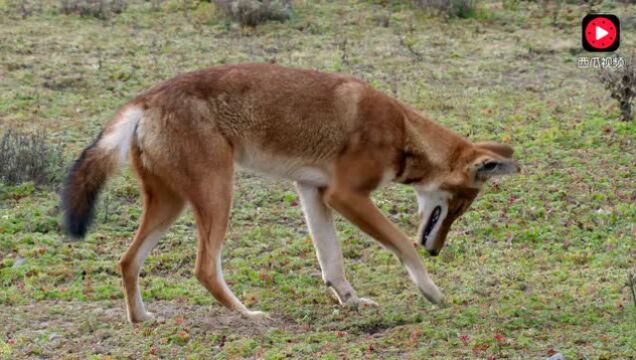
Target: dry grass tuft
<point>621,83</point>
<point>254,12</point>
<point>452,8</point>
<point>101,9</point>
<point>29,157</point>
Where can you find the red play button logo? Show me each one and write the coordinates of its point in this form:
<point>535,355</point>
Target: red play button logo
<point>601,32</point>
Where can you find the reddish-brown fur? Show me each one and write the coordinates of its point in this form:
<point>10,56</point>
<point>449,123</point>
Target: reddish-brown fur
<point>196,126</point>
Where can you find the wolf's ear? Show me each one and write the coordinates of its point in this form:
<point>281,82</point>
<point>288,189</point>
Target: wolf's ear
<point>487,167</point>
<point>504,150</point>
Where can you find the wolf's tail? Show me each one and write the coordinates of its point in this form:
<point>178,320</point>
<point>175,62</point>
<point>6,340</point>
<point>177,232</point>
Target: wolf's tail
<point>98,162</point>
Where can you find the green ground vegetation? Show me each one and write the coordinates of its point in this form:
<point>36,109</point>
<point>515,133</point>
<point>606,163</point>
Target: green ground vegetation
<point>539,265</point>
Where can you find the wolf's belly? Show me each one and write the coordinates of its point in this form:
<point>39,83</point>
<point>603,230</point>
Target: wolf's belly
<point>282,166</point>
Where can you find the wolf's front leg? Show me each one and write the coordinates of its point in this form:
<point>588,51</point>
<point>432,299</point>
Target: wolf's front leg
<point>361,211</point>
<point>358,172</point>
<point>319,219</point>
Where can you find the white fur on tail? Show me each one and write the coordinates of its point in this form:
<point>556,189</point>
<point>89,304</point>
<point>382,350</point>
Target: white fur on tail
<point>120,136</point>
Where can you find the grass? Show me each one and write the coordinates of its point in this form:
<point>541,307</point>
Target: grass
<point>539,265</point>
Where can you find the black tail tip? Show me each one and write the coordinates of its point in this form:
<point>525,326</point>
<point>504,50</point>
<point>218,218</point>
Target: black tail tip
<point>78,208</point>
<point>75,228</point>
<point>76,222</point>
<point>83,183</point>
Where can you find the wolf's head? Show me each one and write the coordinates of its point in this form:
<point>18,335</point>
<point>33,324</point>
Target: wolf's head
<point>447,173</point>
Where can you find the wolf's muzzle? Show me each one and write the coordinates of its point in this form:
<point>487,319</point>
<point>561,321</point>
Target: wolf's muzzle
<point>433,252</point>
<point>430,225</point>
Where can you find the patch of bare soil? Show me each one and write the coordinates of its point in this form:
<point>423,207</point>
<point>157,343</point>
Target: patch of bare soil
<point>57,329</point>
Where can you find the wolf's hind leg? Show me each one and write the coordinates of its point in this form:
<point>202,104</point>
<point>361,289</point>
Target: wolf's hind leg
<point>211,202</point>
<point>161,208</point>
<point>319,218</point>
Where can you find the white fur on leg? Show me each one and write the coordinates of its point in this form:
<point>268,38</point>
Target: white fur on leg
<point>424,283</point>
<point>135,307</point>
<point>256,316</point>
<point>323,234</point>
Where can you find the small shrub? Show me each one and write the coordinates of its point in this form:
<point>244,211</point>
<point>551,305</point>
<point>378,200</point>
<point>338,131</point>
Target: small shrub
<point>254,12</point>
<point>155,5</point>
<point>621,84</point>
<point>453,8</point>
<point>206,13</point>
<point>29,157</point>
<point>101,9</point>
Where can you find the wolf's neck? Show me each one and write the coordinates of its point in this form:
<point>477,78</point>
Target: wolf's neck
<point>439,144</point>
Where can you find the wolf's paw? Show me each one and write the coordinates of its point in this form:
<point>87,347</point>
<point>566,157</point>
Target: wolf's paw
<point>434,295</point>
<point>366,302</point>
<point>360,303</point>
<point>257,316</point>
<point>141,317</point>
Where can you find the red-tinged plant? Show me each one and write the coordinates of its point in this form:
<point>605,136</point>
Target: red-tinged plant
<point>465,339</point>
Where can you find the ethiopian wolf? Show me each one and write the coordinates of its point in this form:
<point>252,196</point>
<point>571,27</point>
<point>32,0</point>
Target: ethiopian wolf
<point>335,136</point>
